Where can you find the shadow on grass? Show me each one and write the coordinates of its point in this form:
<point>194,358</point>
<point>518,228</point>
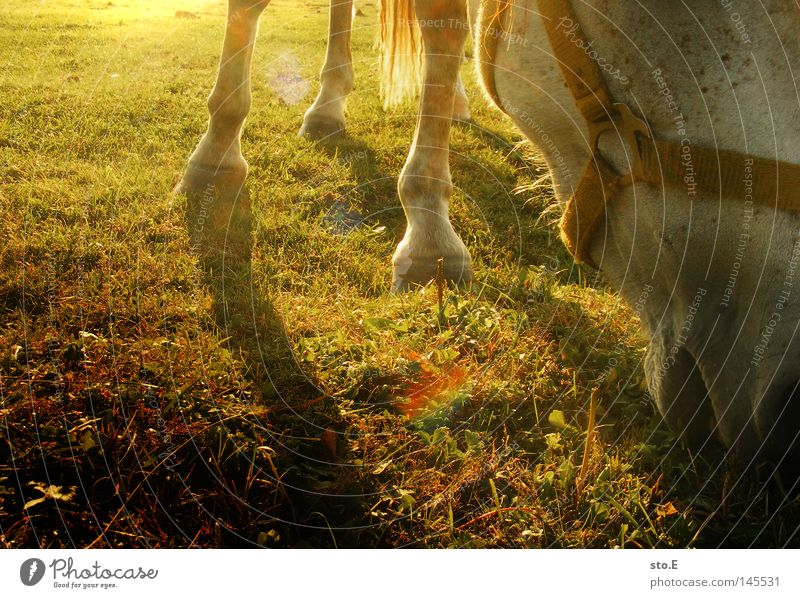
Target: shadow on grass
<point>219,223</point>
<point>321,497</point>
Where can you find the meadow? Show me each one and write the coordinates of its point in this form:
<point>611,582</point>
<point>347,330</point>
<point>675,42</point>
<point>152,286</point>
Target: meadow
<point>157,393</point>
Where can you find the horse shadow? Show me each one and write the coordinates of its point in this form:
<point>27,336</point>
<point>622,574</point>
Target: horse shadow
<point>320,498</point>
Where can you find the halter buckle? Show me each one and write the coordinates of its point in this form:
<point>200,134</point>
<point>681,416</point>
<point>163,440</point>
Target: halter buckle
<point>631,128</point>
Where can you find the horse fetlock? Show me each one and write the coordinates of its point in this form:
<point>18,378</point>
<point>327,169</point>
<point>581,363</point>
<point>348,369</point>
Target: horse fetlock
<point>461,111</point>
<point>338,80</point>
<point>421,189</point>
<point>228,111</point>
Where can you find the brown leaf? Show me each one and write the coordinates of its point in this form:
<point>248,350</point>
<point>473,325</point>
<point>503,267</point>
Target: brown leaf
<point>666,510</point>
<point>329,441</point>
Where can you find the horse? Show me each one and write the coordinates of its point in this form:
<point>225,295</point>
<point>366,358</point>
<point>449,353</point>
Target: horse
<point>430,247</point>
<point>325,118</point>
<point>670,132</point>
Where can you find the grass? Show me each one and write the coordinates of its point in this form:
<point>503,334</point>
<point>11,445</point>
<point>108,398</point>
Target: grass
<point>149,400</point>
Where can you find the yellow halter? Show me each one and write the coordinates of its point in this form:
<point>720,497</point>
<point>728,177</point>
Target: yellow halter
<point>775,183</point>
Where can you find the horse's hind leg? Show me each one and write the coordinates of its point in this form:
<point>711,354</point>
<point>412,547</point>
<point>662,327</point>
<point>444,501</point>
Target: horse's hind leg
<point>325,117</point>
<point>461,110</point>
<point>425,185</point>
<point>217,166</point>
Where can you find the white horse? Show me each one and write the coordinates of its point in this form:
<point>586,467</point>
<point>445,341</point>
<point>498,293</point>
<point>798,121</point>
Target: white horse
<point>217,163</point>
<point>671,132</point>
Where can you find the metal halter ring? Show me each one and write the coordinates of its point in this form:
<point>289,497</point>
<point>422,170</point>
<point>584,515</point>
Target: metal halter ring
<point>631,128</point>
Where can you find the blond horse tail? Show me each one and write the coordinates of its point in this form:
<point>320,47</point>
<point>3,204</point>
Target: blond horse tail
<point>401,51</point>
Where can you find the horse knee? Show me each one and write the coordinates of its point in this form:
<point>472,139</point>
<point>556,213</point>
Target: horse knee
<point>444,25</point>
<point>441,10</point>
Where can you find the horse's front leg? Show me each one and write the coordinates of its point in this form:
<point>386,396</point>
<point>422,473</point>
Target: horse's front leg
<point>425,185</point>
<point>325,117</point>
<point>217,163</point>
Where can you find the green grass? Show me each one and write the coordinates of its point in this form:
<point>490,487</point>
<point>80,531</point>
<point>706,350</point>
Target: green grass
<point>151,400</point>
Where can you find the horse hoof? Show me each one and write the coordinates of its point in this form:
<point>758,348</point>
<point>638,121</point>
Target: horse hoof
<point>463,117</point>
<point>456,271</point>
<point>318,128</point>
<point>211,181</point>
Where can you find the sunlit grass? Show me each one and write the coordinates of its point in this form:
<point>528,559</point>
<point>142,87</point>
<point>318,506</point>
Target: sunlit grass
<point>459,425</point>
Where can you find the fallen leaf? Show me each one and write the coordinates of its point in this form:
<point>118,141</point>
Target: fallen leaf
<point>666,510</point>
<point>329,441</point>
<point>57,493</point>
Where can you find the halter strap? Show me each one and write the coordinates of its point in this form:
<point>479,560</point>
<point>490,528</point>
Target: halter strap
<point>772,183</point>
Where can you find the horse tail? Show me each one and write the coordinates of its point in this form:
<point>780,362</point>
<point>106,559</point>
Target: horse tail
<point>401,51</point>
